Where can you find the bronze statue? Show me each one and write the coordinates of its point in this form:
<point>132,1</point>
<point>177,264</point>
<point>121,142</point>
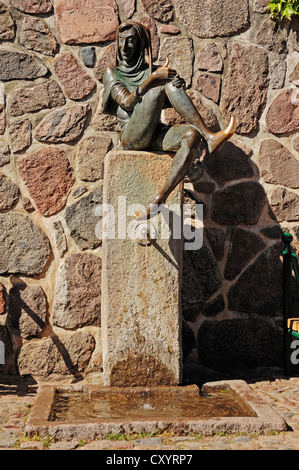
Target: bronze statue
<point>139,91</point>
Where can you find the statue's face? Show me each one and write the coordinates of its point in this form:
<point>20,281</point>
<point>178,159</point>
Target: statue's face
<point>127,44</point>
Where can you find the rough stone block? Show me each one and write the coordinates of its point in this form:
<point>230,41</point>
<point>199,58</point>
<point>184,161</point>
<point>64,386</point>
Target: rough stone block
<point>141,317</point>
<point>86,22</point>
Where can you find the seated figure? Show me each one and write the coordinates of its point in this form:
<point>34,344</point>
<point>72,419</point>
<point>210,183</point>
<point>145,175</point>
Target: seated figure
<point>138,92</point>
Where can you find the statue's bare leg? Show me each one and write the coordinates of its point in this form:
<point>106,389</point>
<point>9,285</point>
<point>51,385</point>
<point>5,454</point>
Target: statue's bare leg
<point>138,133</point>
<point>185,139</point>
<point>184,106</point>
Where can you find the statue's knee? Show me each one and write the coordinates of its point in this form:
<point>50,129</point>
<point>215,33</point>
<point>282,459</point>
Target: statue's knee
<point>192,136</point>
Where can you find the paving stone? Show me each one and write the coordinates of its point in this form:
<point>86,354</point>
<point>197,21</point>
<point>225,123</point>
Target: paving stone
<point>7,441</point>
<point>31,445</point>
<point>152,441</point>
<point>63,445</point>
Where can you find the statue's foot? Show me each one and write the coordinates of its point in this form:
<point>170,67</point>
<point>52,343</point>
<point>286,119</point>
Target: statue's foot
<point>215,141</point>
<point>150,210</point>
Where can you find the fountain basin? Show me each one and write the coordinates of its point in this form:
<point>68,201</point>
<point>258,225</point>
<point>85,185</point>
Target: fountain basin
<point>223,406</point>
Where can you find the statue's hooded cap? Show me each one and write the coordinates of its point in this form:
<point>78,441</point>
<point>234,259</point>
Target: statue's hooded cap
<point>134,75</point>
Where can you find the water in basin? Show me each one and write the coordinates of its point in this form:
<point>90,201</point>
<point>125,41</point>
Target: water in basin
<point>79,407</point>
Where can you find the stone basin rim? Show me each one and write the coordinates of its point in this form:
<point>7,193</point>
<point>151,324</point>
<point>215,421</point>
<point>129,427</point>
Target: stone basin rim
<point>265,421</point>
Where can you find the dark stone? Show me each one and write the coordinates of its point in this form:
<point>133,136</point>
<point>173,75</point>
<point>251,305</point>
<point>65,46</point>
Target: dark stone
<point>244,246</point>
<point>239,344</point>
<point>205,187</point>
<point>259,288</point>
<point>81,219</point>
<point>188,340</point>
<point>216,239</point>
<point>88,55</point>
<point>201,277</point>
<point>191,313</point>
<point>215,306</point>
<point>6,340</point>
<point>20,66</point>
<point>240,203</point>
<point>231,162</point>
<point>272,232</point>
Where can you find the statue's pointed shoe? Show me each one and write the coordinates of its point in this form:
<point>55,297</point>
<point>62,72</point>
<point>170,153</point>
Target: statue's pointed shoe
<point>216,141</point>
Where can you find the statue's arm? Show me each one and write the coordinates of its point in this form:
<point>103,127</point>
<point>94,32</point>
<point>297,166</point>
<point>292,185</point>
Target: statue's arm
<point>128,100</point>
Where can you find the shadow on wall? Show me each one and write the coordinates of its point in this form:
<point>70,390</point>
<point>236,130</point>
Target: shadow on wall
<point>27,322</point>
<point>232,287</point>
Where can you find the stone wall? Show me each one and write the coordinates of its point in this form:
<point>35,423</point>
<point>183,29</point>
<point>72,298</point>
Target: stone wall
<point>53,139</point>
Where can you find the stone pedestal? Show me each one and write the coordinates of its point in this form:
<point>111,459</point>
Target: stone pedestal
<point>141,317</point>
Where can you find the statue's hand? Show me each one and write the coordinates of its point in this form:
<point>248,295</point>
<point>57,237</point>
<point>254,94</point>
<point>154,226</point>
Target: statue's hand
<point>178,82</point>
<point>164,73</point>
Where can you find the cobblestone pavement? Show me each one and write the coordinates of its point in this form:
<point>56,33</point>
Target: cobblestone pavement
<point>282,394</point>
